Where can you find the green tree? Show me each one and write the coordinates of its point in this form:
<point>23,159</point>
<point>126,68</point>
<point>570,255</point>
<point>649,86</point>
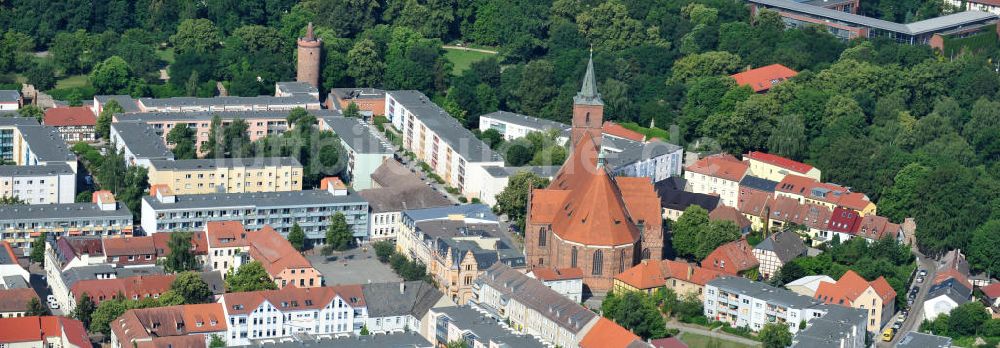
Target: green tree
<point>182,138</point>
<point>191,288</point>
<point>338,234</point>
<point>38,249</point>
<point>237,139</point>
<point>108,311</point>
<point>84,309</point>
<point>635,311</point>
<point>384,250</point>
<point>352,110</point>
<point>103,125</point>
<point>457,344</point>
<point>705,64</point>
<point>365,65</point>
<point>112,76</point>
<point>694,236</point>
<point>213,146</point>
<point>491,137</point>
<point>249,276</point>
<point>180,258</point>
<point>983,247</point>
<point>513,200</point>
<point>217,342</point>
<point>775,335</point>
<point>42,75</point>
<point>31,111</point>
<point>610,28</point>
<point>297,238</point>
<point>788,138</point>
<point>36,308</point>
<point>966,319</point>
<point>195,36</point>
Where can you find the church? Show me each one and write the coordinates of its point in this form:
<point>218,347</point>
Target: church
<point>587,218</point>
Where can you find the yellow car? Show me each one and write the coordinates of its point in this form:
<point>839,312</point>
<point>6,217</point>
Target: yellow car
<point>888,334</point>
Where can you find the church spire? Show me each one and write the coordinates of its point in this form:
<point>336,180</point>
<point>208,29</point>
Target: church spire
<point>588,91</point>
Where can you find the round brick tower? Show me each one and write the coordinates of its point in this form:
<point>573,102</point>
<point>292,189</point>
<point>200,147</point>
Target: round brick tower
<point>309,53</point>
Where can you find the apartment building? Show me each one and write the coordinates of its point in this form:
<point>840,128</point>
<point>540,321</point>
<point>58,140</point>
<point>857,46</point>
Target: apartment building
<point>230,246</point>
<point>41,168</point>
<point>436,138</point>
<point>741,302</point>
<point>295,88</point>
<point>531,307</point>
<point>275,314</point>
<point>164,211</point>
<point>227,175</point>
<point>62,282</point>
<point>104,217</point>
<point>401,307</point>
<point>190,325</point>
<point>48,184</point>
<point>497,178</point>
<point>370,101</point>
<point>513,125</point>
<point>568,282</point>
<point>716,174</point>
<point>875,297</point>
<point>229,103</point>
<point>775,168</point>
<point>451,324</point>
<point>47,331</point>
<point>261,123</point>
<point>365,151</point>
<point>457,244</point>
<point>396,189</point>
<point>140,143</point>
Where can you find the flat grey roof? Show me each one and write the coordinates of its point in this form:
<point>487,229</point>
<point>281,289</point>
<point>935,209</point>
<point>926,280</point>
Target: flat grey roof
<point>207,115</point>
<point>50,169</point>
<point>213,163</point>
<point>228,101</point>
<point>393,340</point>
<point>31,213</point>
<point>832,328</point>
<point>127,103</point>
<point>921,340</point>
<point>915,28</point>
<point>640,152</point>
<point>142,140</point>
<point>46,143</point>
<point>763,291</point>
<point>296,87</point>
<point>400,198</point>
<point>258,199</point>
<point>479,211</point>
<point>357,93</point>
<point>357,135</point>
<point>16,120</point>
<point>503,172</point>
<point>525,120</point>
<point>400,298</point>
<point>9,96</point>
<point>487,329</point>
<point>446,127</point>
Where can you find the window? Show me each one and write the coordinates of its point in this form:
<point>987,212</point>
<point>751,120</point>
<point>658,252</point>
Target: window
<point>621,261</point>
<point>598,263</point>
<point>541,236</point>
<point>572,257</point>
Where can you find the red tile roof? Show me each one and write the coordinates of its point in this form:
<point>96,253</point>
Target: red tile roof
<point>69,116</point>
<point>992,290</point>
<point>731,258</point>
<point>883,289</point>
<point>851,285</point>
<point>720,166</point>
<point>616,130</point>
<point>755,203</point>
<point>606,334</point>
<point>16,300</point>
<point>844,221</point>
<point>129,246</point>
<point>949,273</point>
<point>553,274</point>
<point>726,213</point>
<point>779,161</point>
<point>274,252</point>
<point>172,321</point>
<point>292,297</point>
<point>161,241</point>
<point>763,78</point>
<point>101,290</point>
<point>37,329</point>
<point>876,227</point>
<point>225,234</point>
<point>651,274</point>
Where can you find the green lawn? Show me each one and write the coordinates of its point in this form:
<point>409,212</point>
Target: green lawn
<point>462,59</point>
<point>167,55</point>
<point>73,81</point>
<point>701,341</point>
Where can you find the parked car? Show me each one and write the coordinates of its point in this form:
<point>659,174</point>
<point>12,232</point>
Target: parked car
<point>922,273</point>
<point>920,280</point>
<point>888,334</point>
<point>900,318</point>
<point>51,298</point>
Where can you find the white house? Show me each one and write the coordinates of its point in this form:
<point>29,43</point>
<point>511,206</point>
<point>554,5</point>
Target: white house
<point>944,297</point>
<point>272,315</point>
<point>565,281</point>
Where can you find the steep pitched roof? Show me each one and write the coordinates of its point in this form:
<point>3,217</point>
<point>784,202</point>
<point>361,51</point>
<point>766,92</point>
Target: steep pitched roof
<point>531,293</point>
<point>883,289</point>
<point>225,234</point>
<point>290,297</point>
<point>607,334</point>
<point>129,246</point>
<point>727,213</point>
<point>755,203</point>
<point>721,166</point>
<point>844,221</point>
<point>36,329</point>
<point>16,300</point>
<point>763,78</point>
<point>737,255</point>
<point>991,291</point>
<point>651,274</point>
<point>785,245</point>
<point>100,290</point>
<point>69,116</point>
<point>672,197</point>
<point>404,298</point>
<point>274,252</point>
<point>851,285</point>
<point>547,274</point>
<point>617,130</point>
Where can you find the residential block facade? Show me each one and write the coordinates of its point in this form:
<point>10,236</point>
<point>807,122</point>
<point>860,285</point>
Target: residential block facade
<point>227,175</point>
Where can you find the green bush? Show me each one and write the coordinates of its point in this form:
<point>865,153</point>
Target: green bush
<point>463,199</point>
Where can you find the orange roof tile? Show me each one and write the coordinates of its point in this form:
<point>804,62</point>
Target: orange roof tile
<point>854,200</point>
<point>161,241</point>
<point>36,329</point>
<point>9,251</point>
<point>101,290</point>
<point>726,213</point>
<point>553,274</point>
<point>616,130</point>
<point>883,289</point>
<point>645,275</point>
<point>948,273</point>
<point>207,317</point>
<point>129,246</point>
<point>731,258</point>
<point>274,252</point>
<point>225,234</point>
<point>15,300</point>
<point>992,290</point>
<point>779,161</point>
<point>102,196</point>
<point>755,203</point>
<point>765,77</point>
<point>721,166</point>
<point>69,116</point>
<point>844,292</point>
<point>606,334</point>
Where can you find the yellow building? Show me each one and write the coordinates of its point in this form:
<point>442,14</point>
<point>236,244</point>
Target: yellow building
<point>877,298</point>
<point>229,175</point>
<point>774,167</point>
<point>648,276</point>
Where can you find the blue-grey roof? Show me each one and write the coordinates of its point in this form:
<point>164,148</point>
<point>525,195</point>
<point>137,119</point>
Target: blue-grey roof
<point>446,127</point>
<point>207,115</point>
<point>763,291</point>
<point>295,87</point>
<point>525,120</point>
<point>357,135</point>
<point>675,198</point>
<point>142,140</point>
<point>301,100</point>
<point>503,172</point>
<point>914,339</point>
<point>925,26</point>
<point>50,169</point>
<point>951,288</point>
<point>786,245</point>
<point>213,163</point>
<point>640,152</point>
<point>478,211</point>
<point>257,199</point>
<point>127,103</point>
<point>487,329</point>
<point>758,183</point>
<point>9,96</point>
<point>60,212</point>
<point>532,293</point>
<point>46,143</point>
<point>12,118</point>
<point>401,298</point>
<point>837,328</point>
<point>76,274</point>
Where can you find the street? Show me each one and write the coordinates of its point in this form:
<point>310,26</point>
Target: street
<point>411,164</point>
<point>912,322</point>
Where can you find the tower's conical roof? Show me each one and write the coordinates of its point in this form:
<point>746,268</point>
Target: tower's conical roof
<point>588,91</point>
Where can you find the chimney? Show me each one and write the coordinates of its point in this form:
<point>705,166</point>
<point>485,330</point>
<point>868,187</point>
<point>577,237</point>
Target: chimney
<point>402,287</point>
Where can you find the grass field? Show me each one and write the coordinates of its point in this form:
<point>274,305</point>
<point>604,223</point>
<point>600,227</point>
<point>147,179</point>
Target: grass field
<point>73,81</point>
<point>700,341</point>
<point>167,55</point>
<point>462,59</point>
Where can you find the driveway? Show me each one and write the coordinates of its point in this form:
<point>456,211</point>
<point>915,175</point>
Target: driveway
<point>912,322</point>
<point>41,285</point>
<point>412,164</point>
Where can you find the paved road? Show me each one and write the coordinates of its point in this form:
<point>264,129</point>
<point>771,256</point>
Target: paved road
<point>463,48</point>
<point>711,333</point>
<point>412,164</point>
<point>912,322</point>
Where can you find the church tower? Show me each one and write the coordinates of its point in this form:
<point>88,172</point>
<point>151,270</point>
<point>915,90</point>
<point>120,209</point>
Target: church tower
<point>309,53</point>
<point>588,109</point>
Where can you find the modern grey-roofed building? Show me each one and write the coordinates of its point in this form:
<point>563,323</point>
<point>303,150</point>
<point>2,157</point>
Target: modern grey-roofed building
<point>656,160</point>
<point>19,222</point>
<point>365,151</point>
<point>213,163</point>
<point>261,103</point>
<point>534,308</point>
<point>39,184</point>
<point>127,103</point>
<point>849,26</point>
<point>392,340</point>
<point>293,88</point>
<point>945,296</point>
<point>401,306</point>
<point>463,323</point>
<point>498,177</point>
<point>513,125</point>
<point>311,209</point>
<point>10,100</point>
<point>914,339</point>
<point>839,327</point>
<point>388,203</point>
<point>140,142</point>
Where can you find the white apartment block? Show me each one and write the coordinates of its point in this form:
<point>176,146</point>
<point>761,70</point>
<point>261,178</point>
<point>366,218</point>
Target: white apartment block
<point>272,315</point>
<point>48,184</point>
<point>365,151</point>
<point>259,103</point>
<point>140,143</point>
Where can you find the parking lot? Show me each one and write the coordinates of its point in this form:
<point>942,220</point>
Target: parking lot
<point>352,267</point>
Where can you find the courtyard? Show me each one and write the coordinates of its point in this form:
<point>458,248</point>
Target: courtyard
<point>355,266</point>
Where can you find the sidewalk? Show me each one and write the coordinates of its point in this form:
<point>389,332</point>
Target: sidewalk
<point>715,333</point>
